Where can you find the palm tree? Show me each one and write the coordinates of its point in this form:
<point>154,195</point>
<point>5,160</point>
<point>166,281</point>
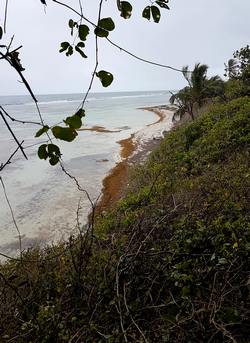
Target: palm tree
<point>231,68</point>
<point>214,86</point>
<point>199,89</point>
<point>183,102</point>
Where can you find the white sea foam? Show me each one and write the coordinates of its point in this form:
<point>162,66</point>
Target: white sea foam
<point>90,98</point>
<point>155,131</point>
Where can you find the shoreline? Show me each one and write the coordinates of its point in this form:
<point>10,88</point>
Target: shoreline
<point>133,150</point>
<point>114,182</point>
<point>100,129</point>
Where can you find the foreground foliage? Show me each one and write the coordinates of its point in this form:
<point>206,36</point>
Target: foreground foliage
<point>169,264</point>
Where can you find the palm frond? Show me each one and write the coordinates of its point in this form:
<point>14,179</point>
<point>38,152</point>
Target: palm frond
<point>172,99</point>
<point>186,73</point>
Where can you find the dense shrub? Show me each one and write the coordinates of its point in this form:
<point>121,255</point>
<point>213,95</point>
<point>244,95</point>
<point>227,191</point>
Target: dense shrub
<point>235,89</point>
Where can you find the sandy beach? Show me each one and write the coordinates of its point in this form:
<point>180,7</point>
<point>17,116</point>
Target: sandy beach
<point>134,149</point>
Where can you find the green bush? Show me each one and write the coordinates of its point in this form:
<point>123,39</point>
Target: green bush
<point>235,89</point>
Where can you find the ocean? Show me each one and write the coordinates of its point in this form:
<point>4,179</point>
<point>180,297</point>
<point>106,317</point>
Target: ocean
<point>43,199</point>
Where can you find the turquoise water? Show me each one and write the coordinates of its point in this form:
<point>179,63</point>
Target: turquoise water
<point>43,198</point>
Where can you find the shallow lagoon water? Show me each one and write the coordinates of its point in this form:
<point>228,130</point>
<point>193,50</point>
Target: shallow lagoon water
<point>43,198</point>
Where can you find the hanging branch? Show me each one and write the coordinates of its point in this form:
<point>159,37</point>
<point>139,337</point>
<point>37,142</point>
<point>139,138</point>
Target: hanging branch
<point>117,45</point>
<point>96,58</point>
<point>3,165</point>
<point>13,135</point>
<point>19,121</point>
<point>12,58</point>
<point>13,217</point>
<point>5,15</point>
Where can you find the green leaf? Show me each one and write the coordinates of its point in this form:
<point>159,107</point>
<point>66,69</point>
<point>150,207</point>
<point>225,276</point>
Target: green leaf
<point>64,133</point>
<point>83,32</point>
<point>53,160</point>
<point>64,46</point>
<point>43,130</point>
<point>54,154</point>
<point>100,32</point>
<point>75,122</point>
<point>126,9</point>
<point>80,45</point>
<point>1,32</point>
<point>107,24</point>
<point>104,26</point>
<point>42,152</point>
<point>80,113</point>
<point>71,23</point>
<point>105,77</point>
<point>156,14</point>
<point>146,13</point>
<point>54,150</point>
<point>80,52</point>
<point>70,51</point>
<point>162,4</point>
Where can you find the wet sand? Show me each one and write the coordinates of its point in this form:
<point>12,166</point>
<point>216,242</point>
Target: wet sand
<point>133,151</point>
<point>158,112</point>
<point>116,180</point>
<point>99,129</point>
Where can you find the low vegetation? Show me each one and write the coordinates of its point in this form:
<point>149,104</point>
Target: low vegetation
<point>170,263</point>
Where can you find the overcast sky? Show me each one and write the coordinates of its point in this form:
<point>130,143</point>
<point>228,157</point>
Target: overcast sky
<point>192,31</point>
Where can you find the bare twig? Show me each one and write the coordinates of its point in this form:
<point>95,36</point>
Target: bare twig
<point>38,143</point>
<point>141,58</point>
<point>77,184</point>
<point>3,165</point>
<point>5,15</point>
<point>17,120</point>
<point>96,58</point>
<point>119,309</point>
<point>13,217</point>
<point>80,5</point>
<point>134,322</point>
<point>14,62</point>
<point>13,135</point>
<point>83,102</point>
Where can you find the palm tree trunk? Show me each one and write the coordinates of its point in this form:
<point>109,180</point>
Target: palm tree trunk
<point>190,111</point>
